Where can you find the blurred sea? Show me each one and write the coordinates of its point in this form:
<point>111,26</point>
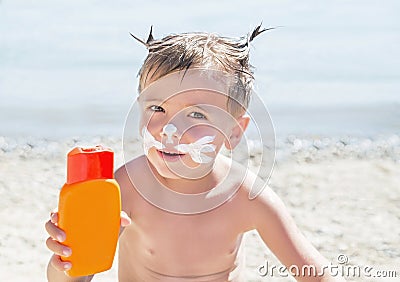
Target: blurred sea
<point>68,68</point>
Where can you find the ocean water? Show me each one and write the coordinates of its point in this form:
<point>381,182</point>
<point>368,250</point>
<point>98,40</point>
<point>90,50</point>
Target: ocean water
<point>68,68</point>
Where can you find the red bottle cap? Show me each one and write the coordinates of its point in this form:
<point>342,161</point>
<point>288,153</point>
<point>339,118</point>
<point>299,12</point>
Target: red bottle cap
<point>90,163</point>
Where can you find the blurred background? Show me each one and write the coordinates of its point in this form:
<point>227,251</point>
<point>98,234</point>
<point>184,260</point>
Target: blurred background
<point>69,68</point>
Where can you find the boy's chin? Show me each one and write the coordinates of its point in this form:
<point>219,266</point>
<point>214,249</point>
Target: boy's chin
<point>169,175</point>
<point>181,171</point>
<point>184,169</point>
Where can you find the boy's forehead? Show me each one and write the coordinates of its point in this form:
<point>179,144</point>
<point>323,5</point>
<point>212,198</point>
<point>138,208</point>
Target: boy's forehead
<point>192,85</point>
<point>189,98</point>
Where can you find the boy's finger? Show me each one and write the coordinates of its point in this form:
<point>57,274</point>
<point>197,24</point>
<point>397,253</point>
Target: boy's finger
<point>125,219</point>
<point>58,264</point>
<point>55,232</point>
<point>54,217</point>
<point>58,248</point>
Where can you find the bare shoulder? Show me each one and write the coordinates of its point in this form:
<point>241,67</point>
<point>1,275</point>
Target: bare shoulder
<point>135,164</point>
<point>261,202</point>
<point>253,191</point>
<point>258,190</point>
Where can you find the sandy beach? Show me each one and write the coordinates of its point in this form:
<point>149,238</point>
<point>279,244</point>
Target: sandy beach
<point>344,194</point>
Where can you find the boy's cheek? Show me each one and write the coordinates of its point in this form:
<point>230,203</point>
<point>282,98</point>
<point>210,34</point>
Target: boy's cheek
<point>150,122</point>
<point>196,134</point>
<point>198,131</point>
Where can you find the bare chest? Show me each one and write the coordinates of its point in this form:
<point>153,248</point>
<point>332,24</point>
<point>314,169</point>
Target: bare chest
<point>200,243</point>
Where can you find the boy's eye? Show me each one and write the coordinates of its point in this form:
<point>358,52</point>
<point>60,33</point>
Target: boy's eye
<point>197,115</point>
<point>156,108</point>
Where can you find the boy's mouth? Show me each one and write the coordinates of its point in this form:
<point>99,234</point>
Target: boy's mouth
<point>170,155</point>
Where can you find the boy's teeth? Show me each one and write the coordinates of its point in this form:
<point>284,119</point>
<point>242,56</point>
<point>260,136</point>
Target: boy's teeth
<point>170,153</point>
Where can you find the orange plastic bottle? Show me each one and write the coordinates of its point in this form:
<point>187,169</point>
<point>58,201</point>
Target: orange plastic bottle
<point>89,210</point>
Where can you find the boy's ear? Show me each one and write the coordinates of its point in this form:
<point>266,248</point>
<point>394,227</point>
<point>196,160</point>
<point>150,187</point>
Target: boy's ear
<point>237,132</point>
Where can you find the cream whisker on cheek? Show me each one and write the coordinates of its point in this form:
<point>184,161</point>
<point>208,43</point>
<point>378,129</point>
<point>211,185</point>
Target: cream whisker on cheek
<point>197,148</point>
<point>149,141</point>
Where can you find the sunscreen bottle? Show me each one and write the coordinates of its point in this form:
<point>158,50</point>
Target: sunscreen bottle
<point>89,210</point>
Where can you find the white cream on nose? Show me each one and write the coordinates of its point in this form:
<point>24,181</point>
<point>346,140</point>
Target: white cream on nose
<point>169,130</point>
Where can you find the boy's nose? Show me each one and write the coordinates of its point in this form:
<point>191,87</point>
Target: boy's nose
<point>169,130</point>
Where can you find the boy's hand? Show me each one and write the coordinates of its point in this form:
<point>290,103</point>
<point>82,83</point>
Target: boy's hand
<point>57,236</point>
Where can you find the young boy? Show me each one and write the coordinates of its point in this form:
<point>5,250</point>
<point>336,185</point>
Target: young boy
<point>190,205</point>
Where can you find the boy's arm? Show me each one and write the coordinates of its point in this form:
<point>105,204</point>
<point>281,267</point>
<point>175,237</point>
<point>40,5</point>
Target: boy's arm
<point>280,233</point>
<point>54,274</point>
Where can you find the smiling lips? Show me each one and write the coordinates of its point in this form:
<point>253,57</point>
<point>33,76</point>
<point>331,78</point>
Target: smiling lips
<point>170,156</point>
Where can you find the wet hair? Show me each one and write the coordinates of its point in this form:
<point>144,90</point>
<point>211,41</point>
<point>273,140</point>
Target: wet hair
<point>178,52</point>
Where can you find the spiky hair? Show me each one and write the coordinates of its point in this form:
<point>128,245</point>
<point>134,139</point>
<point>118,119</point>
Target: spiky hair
<point>177,52</point>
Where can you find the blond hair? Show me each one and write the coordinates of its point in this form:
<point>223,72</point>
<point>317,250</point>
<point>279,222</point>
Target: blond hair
<point>178,52</point>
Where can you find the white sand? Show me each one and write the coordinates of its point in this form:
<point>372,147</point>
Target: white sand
<point>346,200</point>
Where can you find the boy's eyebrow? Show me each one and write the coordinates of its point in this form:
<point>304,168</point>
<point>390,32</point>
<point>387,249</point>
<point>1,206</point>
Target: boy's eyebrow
<point>188,105</point>
<point>154,100</point>
<point>196,106</point>
<point>211,110</point>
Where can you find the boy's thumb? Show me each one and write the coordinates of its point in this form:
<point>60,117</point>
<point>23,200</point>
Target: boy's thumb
<point>125,219</point>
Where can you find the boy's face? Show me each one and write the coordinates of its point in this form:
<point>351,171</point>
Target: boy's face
<point>195,108</point>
